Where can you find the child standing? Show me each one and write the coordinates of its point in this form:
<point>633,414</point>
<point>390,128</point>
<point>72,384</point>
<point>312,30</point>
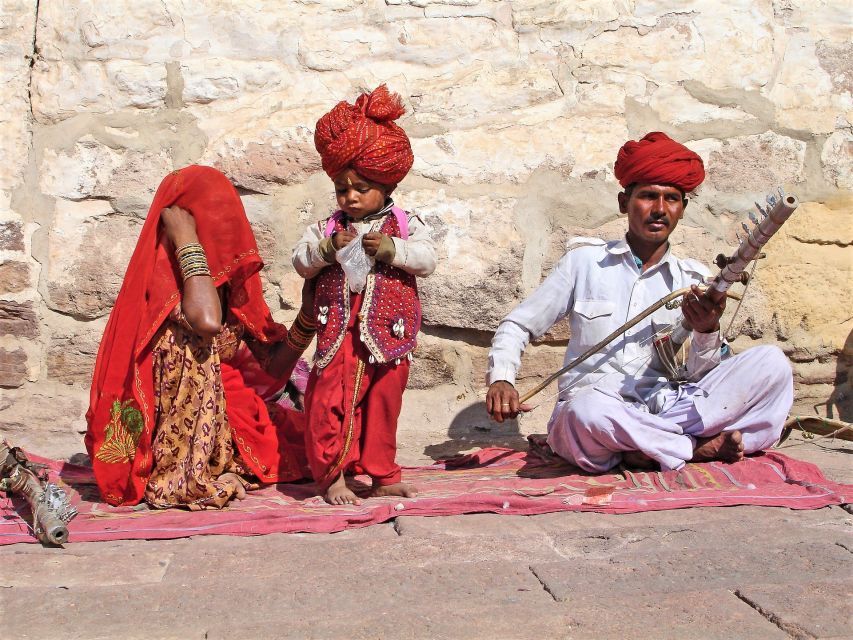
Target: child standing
<point>364,339</point>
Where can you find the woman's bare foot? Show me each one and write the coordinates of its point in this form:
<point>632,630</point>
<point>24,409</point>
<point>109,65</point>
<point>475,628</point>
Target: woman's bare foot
<point>638,460</point>
<point>339,493</point>
<point>727,447</point>
<point>234,480</point>
<point>402,489</point>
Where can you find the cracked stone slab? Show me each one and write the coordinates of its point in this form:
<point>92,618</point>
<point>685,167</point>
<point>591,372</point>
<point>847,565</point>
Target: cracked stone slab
<point>680,615</point>
<point>64,568</point>
<point>672,569</point>
<point>805,611</point>
<point>673,532</point>
<point>330,600</point>
<point>482,535</point>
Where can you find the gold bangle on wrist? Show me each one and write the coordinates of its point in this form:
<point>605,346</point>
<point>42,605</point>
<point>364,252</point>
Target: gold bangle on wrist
<point>192,260</point>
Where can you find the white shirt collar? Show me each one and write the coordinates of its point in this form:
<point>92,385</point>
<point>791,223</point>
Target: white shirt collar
<point>622,247</point>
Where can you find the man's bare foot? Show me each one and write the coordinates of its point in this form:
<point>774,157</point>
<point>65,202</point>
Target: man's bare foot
<point>638,460</point>
<point>339,493</point>
<point>234,481</point>
<point>727,447</point>
<point>402,489</point>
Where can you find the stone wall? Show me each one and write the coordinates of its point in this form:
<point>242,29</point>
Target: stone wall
<point>516,109</point>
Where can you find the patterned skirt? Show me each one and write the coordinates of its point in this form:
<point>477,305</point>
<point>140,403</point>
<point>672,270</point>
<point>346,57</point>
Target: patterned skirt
<point>192,445</point>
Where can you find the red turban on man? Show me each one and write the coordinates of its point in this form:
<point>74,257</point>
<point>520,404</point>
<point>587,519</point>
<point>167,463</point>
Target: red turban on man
<point>658,159</point>
<point>364,137</point>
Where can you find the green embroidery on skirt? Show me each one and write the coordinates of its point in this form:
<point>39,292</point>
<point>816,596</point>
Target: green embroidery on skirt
<point>122,434</point>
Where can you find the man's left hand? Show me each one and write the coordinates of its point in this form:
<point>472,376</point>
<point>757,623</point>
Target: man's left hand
<point>703,310</point>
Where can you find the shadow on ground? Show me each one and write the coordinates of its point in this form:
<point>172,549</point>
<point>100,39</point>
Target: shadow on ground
<point>472,428</point>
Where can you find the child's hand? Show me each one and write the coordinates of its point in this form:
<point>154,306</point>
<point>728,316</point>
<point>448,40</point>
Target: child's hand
<point>342,239</point>
<point>371,242</point>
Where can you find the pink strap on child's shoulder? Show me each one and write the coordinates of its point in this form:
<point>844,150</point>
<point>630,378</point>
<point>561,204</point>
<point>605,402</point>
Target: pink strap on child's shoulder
<point>402,222</point>
<point>331,222</point>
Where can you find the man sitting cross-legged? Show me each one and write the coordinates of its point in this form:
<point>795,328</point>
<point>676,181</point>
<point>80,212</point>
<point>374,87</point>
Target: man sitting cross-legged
<point>619,405</point>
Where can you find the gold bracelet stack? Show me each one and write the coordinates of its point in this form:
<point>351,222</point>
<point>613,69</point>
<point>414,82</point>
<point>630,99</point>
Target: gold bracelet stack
<point>192,260</point>
<point>301,333</point>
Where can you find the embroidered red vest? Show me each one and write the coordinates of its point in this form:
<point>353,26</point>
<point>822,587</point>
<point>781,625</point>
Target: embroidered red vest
<point>390,315</point>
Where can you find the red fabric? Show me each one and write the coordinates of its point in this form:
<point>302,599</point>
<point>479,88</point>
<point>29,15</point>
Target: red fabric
<point>658,159</point>
<point>255,434</point>
<point>489,481</point>
<point>329,403</point>
<point>365,138</point>
<point>151,289</point>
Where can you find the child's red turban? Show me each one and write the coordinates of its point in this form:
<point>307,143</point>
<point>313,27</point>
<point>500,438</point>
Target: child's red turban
<point>363,137</point>
<point>658,159</point>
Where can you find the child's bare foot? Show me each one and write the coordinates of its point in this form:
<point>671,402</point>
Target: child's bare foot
<point>727,447</point>
<point>638,460</point>
<point>234,481</point>
<point>402,489</point>
<point>339,493</point>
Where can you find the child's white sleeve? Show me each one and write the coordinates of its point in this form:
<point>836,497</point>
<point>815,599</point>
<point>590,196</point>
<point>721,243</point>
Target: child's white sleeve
<point>310,253</point>
<point>417,254</point>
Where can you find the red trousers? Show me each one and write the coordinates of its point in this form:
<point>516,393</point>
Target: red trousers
<point>352,408</point>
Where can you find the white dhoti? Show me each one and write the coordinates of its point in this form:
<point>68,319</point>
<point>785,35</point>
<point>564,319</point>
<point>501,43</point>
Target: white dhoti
<point>751,392</point>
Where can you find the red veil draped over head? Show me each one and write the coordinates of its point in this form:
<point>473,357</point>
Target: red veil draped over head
<point>121,410</point>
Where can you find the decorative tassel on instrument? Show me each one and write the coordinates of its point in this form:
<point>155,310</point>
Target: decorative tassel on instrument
<point>51,511</point>
<point>732,270</point>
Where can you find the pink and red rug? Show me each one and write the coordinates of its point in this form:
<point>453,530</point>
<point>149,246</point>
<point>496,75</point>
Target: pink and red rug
<point>491,480</point>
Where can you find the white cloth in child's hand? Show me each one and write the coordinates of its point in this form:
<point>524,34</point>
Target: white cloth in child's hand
<point>355,263</point>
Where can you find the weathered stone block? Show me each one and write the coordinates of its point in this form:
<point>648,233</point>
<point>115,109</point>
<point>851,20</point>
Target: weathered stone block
<point>759,163</point>
<point>47,418</point>
<point>476,281</point>
<point>432,365</point>
<point>837,159</point>
<point>88,258</point>
<point>91,169</point>
<point>13,367</point>
<point>284,158</point>
<point>11,236</point>
<point>14,276</point>
<point>72,351</point>
<point>18,319</point>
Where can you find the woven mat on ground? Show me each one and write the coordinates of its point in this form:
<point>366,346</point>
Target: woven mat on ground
<point>490,480</point>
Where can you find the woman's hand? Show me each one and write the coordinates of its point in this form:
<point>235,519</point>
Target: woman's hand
<point>179,226</point>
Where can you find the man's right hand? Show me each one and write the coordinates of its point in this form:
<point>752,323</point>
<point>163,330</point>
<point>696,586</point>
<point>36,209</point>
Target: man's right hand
<point>502,401</point>
<point>342,239</point>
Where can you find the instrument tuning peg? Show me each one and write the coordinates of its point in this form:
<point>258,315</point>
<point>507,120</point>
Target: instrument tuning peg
<point>781,193</point>
<point>739,239</point>
<point>721,260</point>
<point>745,227</point>
<point>760,210</point>
<point>753,218</point>
<point>771,200</point>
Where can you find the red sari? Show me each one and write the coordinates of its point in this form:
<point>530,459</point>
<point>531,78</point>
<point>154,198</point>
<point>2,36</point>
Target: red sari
<point>121,410</point>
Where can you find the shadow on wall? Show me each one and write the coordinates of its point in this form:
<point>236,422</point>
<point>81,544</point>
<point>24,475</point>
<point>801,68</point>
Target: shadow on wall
<point>840,403</point>
<point>473,428</point>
